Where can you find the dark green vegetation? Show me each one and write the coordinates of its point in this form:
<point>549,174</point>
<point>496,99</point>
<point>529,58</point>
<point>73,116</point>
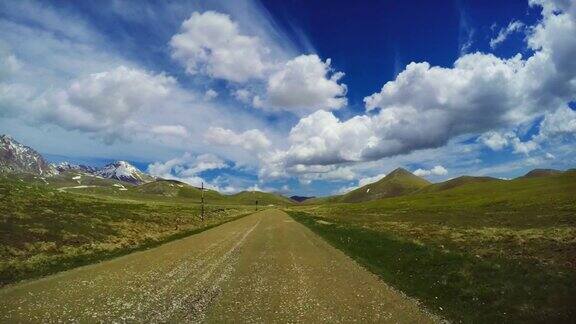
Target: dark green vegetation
<point>481,251</point>
<point>44,230</point>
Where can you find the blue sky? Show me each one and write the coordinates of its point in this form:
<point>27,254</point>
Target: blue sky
<point>301,97</point>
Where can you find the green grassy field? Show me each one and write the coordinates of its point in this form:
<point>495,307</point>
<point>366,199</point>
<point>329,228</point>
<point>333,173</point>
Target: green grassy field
<point>44,230</point>
<point>170,191</point>
<point>485,251</point>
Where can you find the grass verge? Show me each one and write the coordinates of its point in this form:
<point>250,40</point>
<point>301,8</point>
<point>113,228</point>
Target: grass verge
<point>459,286</point>
<point>44,231</point>
<point>15,273</point>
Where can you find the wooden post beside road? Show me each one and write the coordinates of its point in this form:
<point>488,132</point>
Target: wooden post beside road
<point>202,202</point>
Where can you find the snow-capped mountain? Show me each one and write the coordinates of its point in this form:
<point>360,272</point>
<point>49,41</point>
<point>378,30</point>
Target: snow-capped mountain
<point>16,157</point>
<point>123,171</point>
<point>65,166</point>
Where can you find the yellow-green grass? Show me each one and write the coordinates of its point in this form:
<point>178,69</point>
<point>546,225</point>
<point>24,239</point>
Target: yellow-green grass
<point>44,230</point>
<point>159,190</point>
<point>496,251</point>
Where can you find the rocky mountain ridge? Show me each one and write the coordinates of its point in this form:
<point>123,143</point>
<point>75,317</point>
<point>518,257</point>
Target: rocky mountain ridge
<point>18,158</point>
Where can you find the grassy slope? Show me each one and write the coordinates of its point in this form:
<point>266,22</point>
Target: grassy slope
<point>541,173</point>
<point>44,230</point>
<point>481,252</point>
<point>160,191</point>
<point>456,182</point>
<point>398,182</point>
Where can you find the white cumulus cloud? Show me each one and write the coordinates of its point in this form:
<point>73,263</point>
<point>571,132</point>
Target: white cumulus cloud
<point>437,171</point>
<point>495,140</point>
<point>253,139</point>
<point>305,84</point>
<point>187,168</point>
<point>426,106</point>
<point>211,43</point>
<point>105,101</point>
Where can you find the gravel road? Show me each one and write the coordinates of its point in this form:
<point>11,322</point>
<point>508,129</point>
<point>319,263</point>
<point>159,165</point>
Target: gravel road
<point>262,268</point>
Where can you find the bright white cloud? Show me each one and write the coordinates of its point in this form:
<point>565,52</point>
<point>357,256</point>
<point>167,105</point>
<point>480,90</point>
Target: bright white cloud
<point>305,84</point>
<point>187,168</point>
<point>436,171</point>
<point>557,124</point>
<point>320,139</point>
<point>428,105</point>
<point>253,139</point>
<point>74,78</point>
<point>106,101</point>
<point>524,147</point>
<point>494,140</point>
<point>512,27</point>
<point>417,113</point>
<point>204,162</point>
<point>211,43</point>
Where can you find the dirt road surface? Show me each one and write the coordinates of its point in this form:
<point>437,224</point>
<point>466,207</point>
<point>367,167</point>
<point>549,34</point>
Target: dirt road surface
<point>262,268</point>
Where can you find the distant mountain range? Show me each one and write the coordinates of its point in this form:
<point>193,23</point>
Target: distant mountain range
<point>67,166</point>
<point>18,158</point>
<point>401,182</point>
<point>124,171</point>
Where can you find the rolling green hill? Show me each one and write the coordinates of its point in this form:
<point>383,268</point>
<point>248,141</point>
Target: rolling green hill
<point>541,173</point>
<point>456,182</point>
<point>161,190</point>
<point>397,183</point>
<point>176,189</point>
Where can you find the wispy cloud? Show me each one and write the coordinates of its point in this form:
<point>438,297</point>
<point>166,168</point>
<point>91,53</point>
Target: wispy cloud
<point>466,32</point>
<point>514,26</point>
